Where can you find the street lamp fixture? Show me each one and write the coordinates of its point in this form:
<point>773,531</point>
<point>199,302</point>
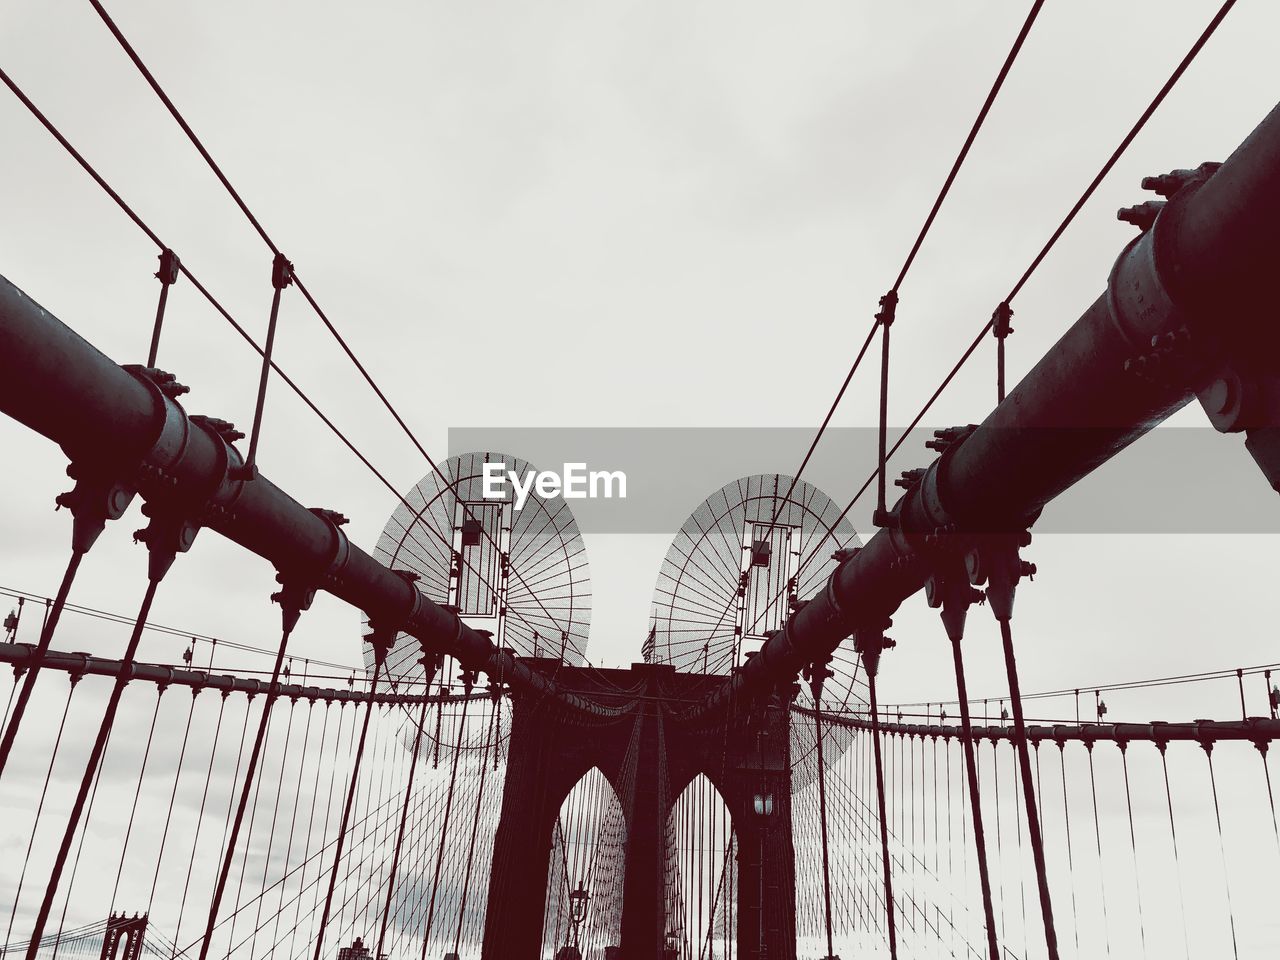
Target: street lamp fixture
<point>578,910</point>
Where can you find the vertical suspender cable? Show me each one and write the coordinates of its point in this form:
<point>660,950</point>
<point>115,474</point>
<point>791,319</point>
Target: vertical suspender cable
<point>822,805</point>
<point>1222,847</point>
<point>975,805</point>
<point>204,796</point>
<point>52,614</point>
<point>909,859</point>
<point>13,690</point>
<point>444,828</point>
<point>1271,797</point>
<point>249,776</point>
<point>491,741</point>
<point>91,766</point>
<point>75,863</point>
<point>168,817</point>
<point>44,791</point>
<point>1133,843</point>
<point>884,823</point>
<point>311,817</point>
<point>1028,788</point>
<point>1097,837</point>
<point>946,744</point>
<point>1071,864</point>
<point>271,832</point>
<point>168,276</point>
<point>404,817</point>
<point>995,789</point>
<point>281,277</point>
<point>293,817</point>
<point>137,794</point>
<point>888,309</point>
<point>1022,887</point>
<point>380,652</point>
<point>1001,329</point>
<point>251,821</point>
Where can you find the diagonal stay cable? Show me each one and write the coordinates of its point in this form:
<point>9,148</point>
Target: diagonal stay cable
<point>1039,258</point>
<point>186,128</point>
<point>200,287</point>
<point>1003,73</point>
<point>969,140</point>
<point>257,225</point>
<point>204,291</point>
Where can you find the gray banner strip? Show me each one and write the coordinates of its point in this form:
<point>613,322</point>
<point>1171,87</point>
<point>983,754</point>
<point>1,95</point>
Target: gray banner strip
<point>1174,480</point>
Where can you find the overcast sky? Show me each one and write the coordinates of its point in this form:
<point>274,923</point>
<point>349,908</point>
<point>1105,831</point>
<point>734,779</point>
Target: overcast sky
<point>595,214</point>
<point>616,214</point>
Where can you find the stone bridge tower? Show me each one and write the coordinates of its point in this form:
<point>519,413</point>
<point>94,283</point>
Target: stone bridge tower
<point>649,756</point>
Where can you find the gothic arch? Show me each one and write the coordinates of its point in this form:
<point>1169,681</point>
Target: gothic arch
<point>701,872</point>
<point>588,853</point>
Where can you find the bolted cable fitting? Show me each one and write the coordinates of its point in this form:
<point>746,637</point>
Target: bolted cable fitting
<point>333,516</point>
<point>223,428</point>
<point>948,437</point>
<point>1167,184</point>
<point>870,642</point>
<point>166,382</point>
<point>1142,215</point>
<point>887,519</point>
<point>888,309</point>
<point>168,533</point>
<point>909,478</point>
<point>167,274</point>
<point>816,673</point>
<point>294,596</point>
<point>993,560</point>
<point>381,639</point>
<point>1170,358</point>
<point>96,498</point>
<point>1000,321</point>
<point>949,591</point>
<point>281,277</point>
<point>495,688</point>
<point>281,272</point>
<point>170,265</point>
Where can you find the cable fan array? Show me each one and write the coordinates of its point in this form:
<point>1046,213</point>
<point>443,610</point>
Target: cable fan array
<point>521,574</point>
<point>737,565</point>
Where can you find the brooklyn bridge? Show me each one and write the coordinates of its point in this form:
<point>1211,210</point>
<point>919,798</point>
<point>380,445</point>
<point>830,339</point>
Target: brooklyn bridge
<point>748,786</point>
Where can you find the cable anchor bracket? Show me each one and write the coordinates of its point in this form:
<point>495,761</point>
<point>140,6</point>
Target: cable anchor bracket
<point>870,642</point>
<point>816,674</point>
<point>1001,325</point>
<point>888,311</point>
<point>994,560</point>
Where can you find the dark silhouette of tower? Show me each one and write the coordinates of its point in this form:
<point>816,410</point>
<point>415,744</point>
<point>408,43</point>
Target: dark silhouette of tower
<point>649,755</point>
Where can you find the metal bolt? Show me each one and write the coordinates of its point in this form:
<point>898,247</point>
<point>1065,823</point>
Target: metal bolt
<point>909,478</point>
<point>1167,184</point>
<point>1142,216</point>
<point>1219,397</point>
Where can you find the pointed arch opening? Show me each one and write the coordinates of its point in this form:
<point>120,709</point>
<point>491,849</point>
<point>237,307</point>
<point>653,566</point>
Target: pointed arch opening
<point>583,915</point>
<point>701,875</point>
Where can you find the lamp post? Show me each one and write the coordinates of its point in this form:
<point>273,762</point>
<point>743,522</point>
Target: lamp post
<point>578,912</point>
<point>762,803</point>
